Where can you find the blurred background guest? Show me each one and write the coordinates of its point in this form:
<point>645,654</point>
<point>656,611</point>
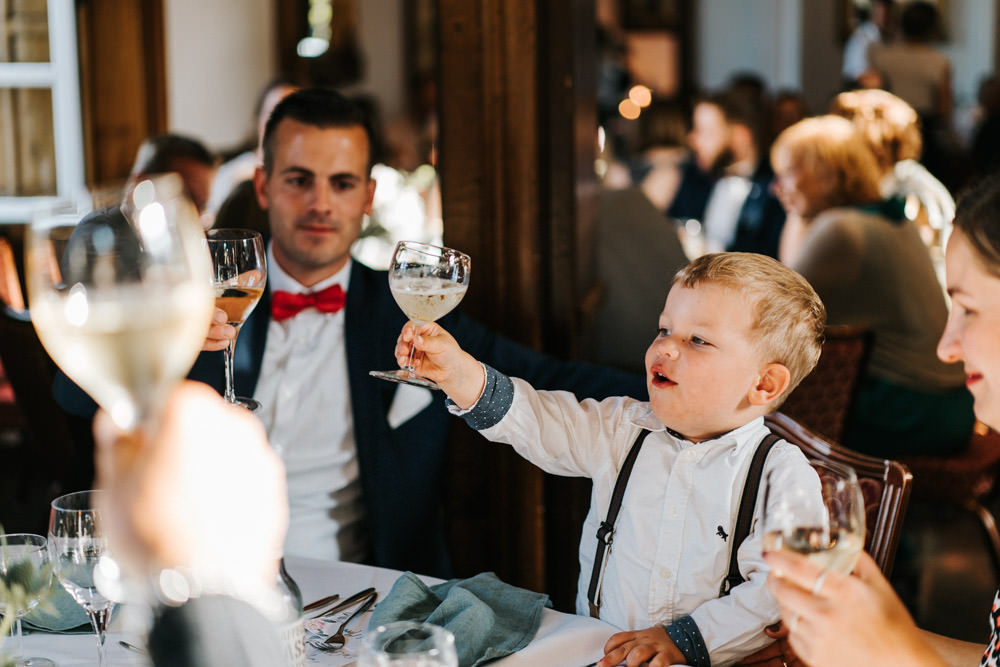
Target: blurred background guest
<point>185,156</point>
<point>892,129</point>
<point>912,68</point>
<point>874,27</point>
<point>869,266</point>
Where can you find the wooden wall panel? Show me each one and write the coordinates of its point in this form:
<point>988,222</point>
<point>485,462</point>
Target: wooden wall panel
<point>514,80</point>
<point>122,81</point>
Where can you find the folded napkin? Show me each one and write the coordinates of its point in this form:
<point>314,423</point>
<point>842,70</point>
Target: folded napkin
<point>490,619</point>
<point>58,613</point>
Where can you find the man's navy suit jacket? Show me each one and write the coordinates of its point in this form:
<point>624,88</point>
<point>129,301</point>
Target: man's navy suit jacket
<point>401,469</point>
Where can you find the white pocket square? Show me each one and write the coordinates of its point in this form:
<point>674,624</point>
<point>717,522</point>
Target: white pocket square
<point>407,403</point>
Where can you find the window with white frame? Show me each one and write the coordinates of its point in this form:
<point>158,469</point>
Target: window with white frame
<point>41,143</point>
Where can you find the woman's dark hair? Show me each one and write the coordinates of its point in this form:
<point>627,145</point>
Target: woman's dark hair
<point>919,21</point>
<point>978,218</point>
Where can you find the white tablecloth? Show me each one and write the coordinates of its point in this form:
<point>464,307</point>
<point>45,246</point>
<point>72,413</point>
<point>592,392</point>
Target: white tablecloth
<point>562,639</point>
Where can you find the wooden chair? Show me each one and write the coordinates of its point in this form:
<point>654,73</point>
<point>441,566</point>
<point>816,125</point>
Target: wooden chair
<point>885,485</point>
<point>966,481</point>
<point>824,400</point>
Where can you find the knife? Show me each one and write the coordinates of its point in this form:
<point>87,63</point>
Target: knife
<point>346,602</point>
<point>322,602</point>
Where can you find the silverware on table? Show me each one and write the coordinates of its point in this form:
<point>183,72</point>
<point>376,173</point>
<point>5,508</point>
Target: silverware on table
<point>132,647</point>
<point>320,603</point>
<point>345,603</point>
<point>338,639</point>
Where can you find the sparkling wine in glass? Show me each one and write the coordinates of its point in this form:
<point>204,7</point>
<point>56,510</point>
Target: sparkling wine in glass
<point>78,547</point>
<point>427,282</point>
<point>239,273</point>
<point>820,516</point>
<point>120,295</point>
<point>25,574</point>
<point>408,644</point>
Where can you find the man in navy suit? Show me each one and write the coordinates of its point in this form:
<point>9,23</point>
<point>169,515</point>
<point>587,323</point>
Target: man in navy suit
<point>365,458</point>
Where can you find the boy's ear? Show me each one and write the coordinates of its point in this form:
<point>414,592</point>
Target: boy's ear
<point>772,383</point>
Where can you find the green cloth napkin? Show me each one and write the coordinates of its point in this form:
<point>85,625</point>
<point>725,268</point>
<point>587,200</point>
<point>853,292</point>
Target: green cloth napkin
<point>490,619</point>
<point>60,613</point>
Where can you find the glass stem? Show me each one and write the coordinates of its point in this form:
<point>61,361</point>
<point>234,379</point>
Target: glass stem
<point>230,388</point>
<point>99,621</point>
<point>15,636</point>
<point>409,361</point>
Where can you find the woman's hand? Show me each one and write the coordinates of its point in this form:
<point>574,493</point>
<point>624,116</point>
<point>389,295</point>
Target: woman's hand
<point>845,620</point>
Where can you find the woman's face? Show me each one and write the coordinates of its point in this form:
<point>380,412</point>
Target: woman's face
<point>804,188</point>
<point>972,334</point>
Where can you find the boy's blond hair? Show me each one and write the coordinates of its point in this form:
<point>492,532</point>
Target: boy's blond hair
<point>789,317</point>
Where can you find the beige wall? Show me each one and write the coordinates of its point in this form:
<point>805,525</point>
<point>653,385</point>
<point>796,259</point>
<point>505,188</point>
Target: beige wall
<point>220,53</point>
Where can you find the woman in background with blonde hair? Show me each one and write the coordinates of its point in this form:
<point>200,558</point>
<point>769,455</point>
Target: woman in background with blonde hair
<point>868,264</point>
<point>892,129</point>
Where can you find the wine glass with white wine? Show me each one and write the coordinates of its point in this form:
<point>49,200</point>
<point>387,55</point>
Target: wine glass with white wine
<point>239,272</point>
<point>78,547</point>
<point>25,575</point>
<point>427,282</point>
<point>820,516</point>
<point>120,296</point>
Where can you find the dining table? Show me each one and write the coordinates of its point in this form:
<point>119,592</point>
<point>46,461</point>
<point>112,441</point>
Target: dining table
<point>561,639</point>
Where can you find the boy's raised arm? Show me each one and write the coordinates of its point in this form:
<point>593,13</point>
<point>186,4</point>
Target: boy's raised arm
<point>438,357</point>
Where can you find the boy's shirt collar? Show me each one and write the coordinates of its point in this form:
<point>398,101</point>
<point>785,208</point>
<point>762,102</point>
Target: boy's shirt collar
<point>643,417</point>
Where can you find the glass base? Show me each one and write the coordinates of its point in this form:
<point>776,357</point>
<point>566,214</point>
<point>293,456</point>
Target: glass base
<point>247,403</point>
<point>404,377</point>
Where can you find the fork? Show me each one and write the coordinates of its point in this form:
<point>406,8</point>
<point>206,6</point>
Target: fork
<point>338,639</point>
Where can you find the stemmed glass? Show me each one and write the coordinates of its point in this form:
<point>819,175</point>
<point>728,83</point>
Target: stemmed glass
<point>239,272</point>
<point>427,282</point>
<point>408,644</point>
<point>26,574</point>
<point>820,516</point>
<point>120,295</point>
<point>78,547</point>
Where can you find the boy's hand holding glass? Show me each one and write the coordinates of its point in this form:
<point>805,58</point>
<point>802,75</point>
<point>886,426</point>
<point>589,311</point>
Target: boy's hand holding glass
<point>436,355</point>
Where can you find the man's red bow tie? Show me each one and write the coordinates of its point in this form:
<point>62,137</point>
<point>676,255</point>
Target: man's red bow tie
<point>289,304</point>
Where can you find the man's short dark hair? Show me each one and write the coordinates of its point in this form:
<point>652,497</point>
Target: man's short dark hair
<point>157,154</point>
<point>322,108</point>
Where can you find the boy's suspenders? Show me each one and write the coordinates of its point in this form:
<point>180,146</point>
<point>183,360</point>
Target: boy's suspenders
<point>745,516</point>
<point>606,531</point>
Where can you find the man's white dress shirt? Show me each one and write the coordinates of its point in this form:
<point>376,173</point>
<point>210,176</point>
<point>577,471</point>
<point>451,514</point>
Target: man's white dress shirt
<point>306,409</point>
<point>668,558</point>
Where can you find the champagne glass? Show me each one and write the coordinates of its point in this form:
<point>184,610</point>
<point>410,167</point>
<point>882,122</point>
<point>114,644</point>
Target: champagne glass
<point>25,574</point>
<point>120,295</point>
<point>821,516</point>
<point>427,282</point>
<point>408,644</point>
<point>239,271</point>
<point>78,548</point>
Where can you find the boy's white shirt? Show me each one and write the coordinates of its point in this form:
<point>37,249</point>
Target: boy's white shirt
<point>668,559</point>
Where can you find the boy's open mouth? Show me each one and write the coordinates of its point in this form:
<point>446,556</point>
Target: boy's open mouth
<point>659,379</point>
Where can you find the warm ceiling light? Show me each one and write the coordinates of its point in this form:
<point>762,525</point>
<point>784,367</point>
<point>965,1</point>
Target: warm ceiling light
<point>641,95</point>
<point>629,110</point>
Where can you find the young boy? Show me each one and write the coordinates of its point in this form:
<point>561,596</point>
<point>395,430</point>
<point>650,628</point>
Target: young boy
<point>736,335</point>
